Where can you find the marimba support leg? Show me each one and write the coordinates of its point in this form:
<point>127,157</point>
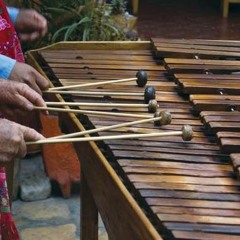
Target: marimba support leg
<point>89,213</point>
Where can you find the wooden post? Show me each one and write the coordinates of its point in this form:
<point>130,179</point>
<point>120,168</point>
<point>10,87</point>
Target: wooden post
<point>135,4</point>
<point>225,8</point>
<point>89,213</point>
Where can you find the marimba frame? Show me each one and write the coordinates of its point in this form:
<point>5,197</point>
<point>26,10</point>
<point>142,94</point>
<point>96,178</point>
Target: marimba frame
<point>103,190</point>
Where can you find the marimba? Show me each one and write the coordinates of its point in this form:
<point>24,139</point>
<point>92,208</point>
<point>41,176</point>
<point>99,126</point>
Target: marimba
<point>153,188</point>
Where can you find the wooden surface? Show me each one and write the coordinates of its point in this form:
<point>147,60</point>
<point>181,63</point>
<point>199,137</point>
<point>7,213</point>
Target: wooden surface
<point>191,48</point>
<point>144,189</point>
<point>221,120</point>
<point>212,83</point>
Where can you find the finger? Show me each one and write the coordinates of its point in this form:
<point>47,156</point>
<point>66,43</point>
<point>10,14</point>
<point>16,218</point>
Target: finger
<point>41,20</point>
<point>34,35</point>
<point>28,104</point>
<point>23,37</point>
<point>43,26</point>
<point>29,36</point>
<point>33,84</point>
<point>30,134</point>
<point>31,96</point>
<point>23,103</point>
<point>43,31</point>
<point>41,81</point>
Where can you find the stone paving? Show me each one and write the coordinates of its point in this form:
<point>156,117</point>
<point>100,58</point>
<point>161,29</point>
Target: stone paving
<point>53,218</point>
<point>50,219</point>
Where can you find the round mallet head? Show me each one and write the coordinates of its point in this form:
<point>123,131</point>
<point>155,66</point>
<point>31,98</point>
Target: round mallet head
<point>149,94</point>
<point>187,133</point>
<point>152,106</point>
<point>142,77</point>
<point>165,119</point>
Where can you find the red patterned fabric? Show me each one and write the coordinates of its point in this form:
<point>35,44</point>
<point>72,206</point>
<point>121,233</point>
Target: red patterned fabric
<point>8,230</point>
<point>9,43</point>
<point>9,46</point>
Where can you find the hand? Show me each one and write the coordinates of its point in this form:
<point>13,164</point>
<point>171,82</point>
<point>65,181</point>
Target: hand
<point>12,139</point>
<point>17,99</point>
<point>30,25</point>
<point>24,73</point>
<point>19,95</point>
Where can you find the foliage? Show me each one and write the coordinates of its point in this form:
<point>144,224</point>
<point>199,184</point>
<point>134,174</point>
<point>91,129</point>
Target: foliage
<point>118,6</point>
<point>76,20</point>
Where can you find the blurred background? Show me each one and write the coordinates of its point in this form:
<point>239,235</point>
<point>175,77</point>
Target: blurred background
<point>115,19</point>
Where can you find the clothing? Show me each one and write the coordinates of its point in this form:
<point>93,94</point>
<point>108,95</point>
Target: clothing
<point>13,13</point>
<point>11,51</point>
<point>9,47</point>
<point>8,229</point>
<point>7,63</point>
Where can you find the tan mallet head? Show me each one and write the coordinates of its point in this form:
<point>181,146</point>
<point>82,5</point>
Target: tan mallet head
<point>153,106</point>
<point>165,119</point>
<point>187,133</point>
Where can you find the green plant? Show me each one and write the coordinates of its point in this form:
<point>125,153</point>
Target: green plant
<point>75,20</point>
<point>118,6</point>
<point>90,23</point>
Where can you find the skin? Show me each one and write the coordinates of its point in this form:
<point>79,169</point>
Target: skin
<point>24,73</point>
<point>13,137</point>
<point>30,25</point>
<point>16,99</point>
<point>20,95</point>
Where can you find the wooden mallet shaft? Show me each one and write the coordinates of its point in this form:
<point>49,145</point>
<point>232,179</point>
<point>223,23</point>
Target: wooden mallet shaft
<point>141,78</point>
<point>92,112</point>
<point>100,129</point>
<point>152,105</point>
<point>186,134</point>
<point>148,94</point>
<point>100,93</point>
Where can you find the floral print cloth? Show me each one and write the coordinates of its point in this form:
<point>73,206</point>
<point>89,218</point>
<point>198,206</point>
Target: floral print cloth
<point>10,47</point>
<point>9,43</point>
<point>8,230</point>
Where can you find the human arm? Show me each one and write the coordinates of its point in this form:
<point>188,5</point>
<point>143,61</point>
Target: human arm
<point>13,137</point>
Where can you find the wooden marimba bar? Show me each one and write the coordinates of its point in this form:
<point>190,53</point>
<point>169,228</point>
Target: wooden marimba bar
<point>154,188</point>
<point>214,88</point>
